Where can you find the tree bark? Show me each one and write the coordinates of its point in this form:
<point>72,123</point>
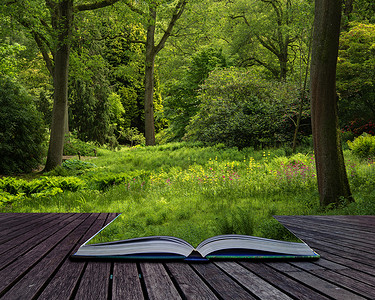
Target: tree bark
<point>149,80</point>
<point>331,174</point>
<point>151,51</point>
<point>64,21</point>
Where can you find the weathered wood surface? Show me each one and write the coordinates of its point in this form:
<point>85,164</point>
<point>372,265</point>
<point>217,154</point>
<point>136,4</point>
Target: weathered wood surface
<point>35,264</point>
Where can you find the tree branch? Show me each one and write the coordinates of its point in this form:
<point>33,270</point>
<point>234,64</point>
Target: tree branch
<point>177,14</point>
<point>134,9</point>
<point>95,5</point>
<point>268,46</point>
<point>241,16</point>
<point>42,44</point>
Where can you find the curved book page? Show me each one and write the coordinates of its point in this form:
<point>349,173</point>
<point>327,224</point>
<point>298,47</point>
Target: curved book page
<point>107,243</point>
<point>224,242</point>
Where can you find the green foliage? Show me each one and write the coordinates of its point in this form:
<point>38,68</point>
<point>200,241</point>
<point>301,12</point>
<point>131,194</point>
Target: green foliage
<point>133,136</point>
<point>182,103</point>
<point>356,73</point>
<point>270,35</point>
<point>9,59</point>
<point>13,186</point>
<point>74,146</point>
<point>22,132</point>
<point>75,164</point>
<point>106,180</point>
<point>13,189</point>
<point>90,110</point>
<point>117,111</point>
<point>126,61</point>
<point>363,146</point>
<point>191,191</point>
<point>239,108</point>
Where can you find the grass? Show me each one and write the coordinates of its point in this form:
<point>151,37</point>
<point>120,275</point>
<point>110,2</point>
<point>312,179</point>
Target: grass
<point>195,192</point>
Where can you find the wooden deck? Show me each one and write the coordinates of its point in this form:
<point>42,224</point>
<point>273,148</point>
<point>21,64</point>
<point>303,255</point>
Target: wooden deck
<point>35,264</point>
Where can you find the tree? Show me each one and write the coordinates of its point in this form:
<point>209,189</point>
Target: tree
<point>21,130</point>
<point>152,49</point>
<point>240,108</point>
<point>181,103</point>
<point>50,23</point>
<point>266,32</point>
<point>331,174</point>
<point>356,73</point>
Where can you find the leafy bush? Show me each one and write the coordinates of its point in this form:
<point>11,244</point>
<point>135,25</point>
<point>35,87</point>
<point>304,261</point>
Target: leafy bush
<point>363,146</point>
<point>74,146</point>
<point>105,181</point>
<point>181,102</point>
<point>133,136</point>
<point>16,186</point>
<point>239,108</point>
<point>71,183</point>
<point>359,126</point>
<point>356,74</point>
<point>75,164</point>
<point>22,132</point>
<point>13,185</point>
<point>7,198</point>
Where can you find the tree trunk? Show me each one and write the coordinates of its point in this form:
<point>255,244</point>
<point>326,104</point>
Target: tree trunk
<point>60,84</point>
<point>149,81</point>
<point>331,174</point>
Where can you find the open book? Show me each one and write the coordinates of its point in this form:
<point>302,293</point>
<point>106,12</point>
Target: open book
<point>230,246</point>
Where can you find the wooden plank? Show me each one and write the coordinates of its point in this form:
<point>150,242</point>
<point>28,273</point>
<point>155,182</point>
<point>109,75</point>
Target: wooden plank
<point>65,282</point>
<point>126,282</point>
<point>44,271</point>
<point>253,283</point>
<point>332,283</point>
<point>329,264</point>
<point>356,286</point>
<point>190,284</point>
<point>98,271</point>
<point>33,230</point>
<point>350,222</point>
<point>95,281</point>
<point>358,276</point>
<point>5,217</point>
<point>13,254</point>
<point>224,286</point>
<point>337,241</point>
<point>158,283</point>
<point>347,262</point>
<point>352,235</point>
<point>8,218</point>
<point>284,283</point>
<point>22,225</point>
<point>17,269</point>
<point>344,252</point>
<point>41,272</point>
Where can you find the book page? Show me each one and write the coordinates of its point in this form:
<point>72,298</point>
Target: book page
<point>192,233</point>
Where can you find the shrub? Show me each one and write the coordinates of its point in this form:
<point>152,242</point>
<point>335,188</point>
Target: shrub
<point>75,164</point>
<point>133,136</point>
<point>16,186</point>
<point>363,146</point>
<point>13,185</point>
<point>74,146</point>
<point>22,132</point>
<point>105,181</point>
<point>241,109</point>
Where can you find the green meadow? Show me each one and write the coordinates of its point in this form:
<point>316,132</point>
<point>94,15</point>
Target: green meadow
<point>188,190</point>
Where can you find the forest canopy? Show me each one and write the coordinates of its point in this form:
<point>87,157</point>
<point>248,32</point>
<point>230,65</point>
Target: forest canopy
<point>224,72</point>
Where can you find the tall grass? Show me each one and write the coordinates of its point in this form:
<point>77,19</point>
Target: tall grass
<point>195,192</point>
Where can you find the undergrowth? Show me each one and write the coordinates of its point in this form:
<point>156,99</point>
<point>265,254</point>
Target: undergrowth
<point>189,191</point>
